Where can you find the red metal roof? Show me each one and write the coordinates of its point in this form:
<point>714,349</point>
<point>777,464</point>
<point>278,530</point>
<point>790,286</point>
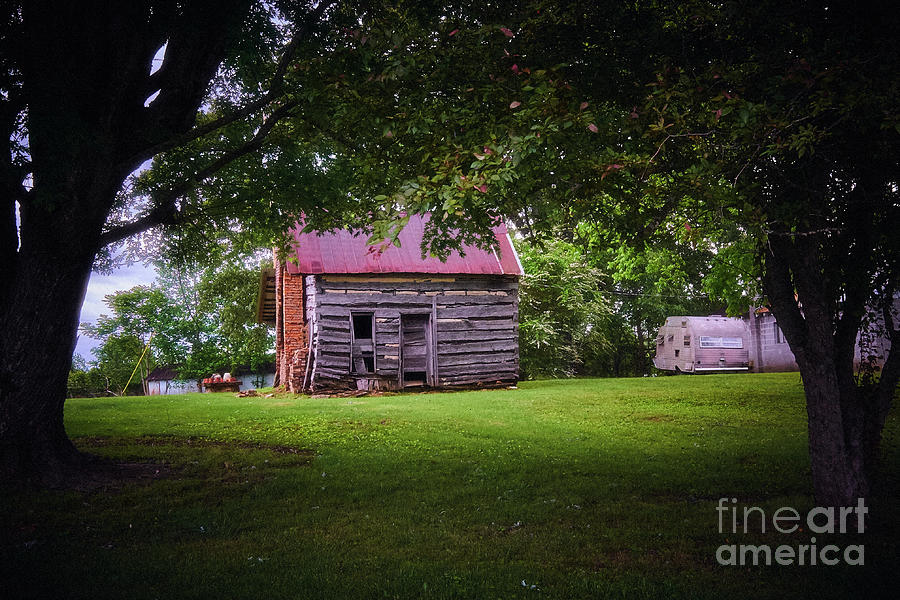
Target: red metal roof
<point>347,252</point>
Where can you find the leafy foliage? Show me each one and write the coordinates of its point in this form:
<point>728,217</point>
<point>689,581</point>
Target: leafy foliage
<point>88,381</point>
<point>650,283</point>
<point>563,317</point>
<point>117,359</point>
<point>229,294</point>
<point>201,322</point>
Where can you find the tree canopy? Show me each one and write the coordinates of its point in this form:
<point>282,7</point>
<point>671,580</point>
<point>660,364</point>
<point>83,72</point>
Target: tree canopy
<point>563,315</point>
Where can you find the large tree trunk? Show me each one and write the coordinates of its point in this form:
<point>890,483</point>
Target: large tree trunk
<point>845,420</point>
<point>77,169</point>
<point>40,317</point>
<point>839,471</point>
<point>85,73</point>
<point>845,427</point>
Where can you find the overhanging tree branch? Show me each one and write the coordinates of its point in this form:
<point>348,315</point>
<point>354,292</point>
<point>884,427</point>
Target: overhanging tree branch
<point>275,88</point>
<point>165,211</point>
<point>196,46</point>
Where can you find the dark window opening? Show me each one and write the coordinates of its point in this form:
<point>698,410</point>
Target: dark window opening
<point>676,353</point>
<point>414,377</point>
<point>362,327</point>
<point>362,343</point>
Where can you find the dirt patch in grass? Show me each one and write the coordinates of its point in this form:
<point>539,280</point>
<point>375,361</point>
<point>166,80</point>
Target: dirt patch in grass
<point>113,475</point>
<point>100,473</point>
<point>189,442</point>
<point>88,473</point>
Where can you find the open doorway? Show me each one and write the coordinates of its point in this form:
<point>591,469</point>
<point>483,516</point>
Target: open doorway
<point>416,357</point>
<point>362,343</point>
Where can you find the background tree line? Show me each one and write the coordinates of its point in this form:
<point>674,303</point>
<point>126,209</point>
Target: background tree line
<point>583,312</point>
<point>202,321</point>
<point>588,307</point>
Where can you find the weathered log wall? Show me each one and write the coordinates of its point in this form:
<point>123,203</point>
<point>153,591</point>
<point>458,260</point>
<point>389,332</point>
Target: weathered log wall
<point>473,321</point>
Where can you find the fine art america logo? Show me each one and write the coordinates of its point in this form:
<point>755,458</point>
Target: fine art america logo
<point>787,520</point>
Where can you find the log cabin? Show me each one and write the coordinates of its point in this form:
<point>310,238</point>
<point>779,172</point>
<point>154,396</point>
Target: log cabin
<point>352,316</point>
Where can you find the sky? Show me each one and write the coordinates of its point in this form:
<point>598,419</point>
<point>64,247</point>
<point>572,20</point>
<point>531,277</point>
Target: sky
<point>101,285</point>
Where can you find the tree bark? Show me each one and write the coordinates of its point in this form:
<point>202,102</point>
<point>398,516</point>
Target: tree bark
<point>839,470</point>
<point>40,317</point>
<point>844,420</point>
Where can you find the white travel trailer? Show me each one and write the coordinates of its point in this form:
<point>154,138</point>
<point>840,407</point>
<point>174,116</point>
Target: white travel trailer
<point>751,343</point>
<point>703,345</point>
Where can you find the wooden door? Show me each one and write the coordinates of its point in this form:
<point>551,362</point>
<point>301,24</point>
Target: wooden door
<point>415,351</point>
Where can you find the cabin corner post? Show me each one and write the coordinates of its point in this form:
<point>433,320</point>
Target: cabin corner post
<point>435,373</point>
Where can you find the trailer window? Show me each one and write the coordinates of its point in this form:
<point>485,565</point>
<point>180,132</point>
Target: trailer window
<point>721,342</point>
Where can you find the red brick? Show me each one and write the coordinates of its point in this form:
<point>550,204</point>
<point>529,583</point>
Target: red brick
<point>291,335</point>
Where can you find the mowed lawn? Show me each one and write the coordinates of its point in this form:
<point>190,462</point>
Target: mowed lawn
<point>560,489</point>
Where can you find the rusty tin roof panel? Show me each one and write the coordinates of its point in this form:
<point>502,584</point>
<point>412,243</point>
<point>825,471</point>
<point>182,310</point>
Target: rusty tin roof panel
<point>347,252</point>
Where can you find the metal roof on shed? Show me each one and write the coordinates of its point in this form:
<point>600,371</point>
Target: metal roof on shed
<point>347,252</point>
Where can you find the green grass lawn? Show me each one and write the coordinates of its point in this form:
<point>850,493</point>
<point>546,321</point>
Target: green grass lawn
<point>560,489</point>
